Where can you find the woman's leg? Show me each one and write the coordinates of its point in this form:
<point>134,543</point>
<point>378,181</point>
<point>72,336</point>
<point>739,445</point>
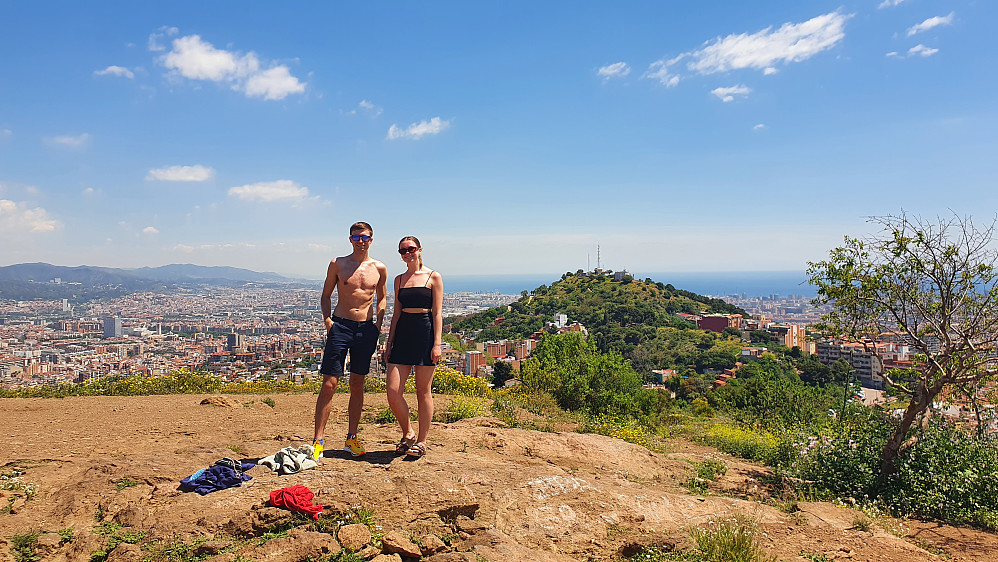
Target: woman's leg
<point>395,384</point>
<point>424,400</point>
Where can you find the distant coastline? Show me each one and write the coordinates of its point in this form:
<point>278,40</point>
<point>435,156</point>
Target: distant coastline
<point>715,283</point>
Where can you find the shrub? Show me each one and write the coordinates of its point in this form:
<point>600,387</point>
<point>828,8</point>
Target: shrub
<point>459,409</point>
<point>731,540</point>
<point>756,446</point>
<point>450,381</point>
<point>617,427</point>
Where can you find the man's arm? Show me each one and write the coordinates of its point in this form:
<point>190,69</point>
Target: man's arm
<point>382,294</point>
<point>325,301</point>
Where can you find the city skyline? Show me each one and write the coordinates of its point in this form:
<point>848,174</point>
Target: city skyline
<point>509,138</point>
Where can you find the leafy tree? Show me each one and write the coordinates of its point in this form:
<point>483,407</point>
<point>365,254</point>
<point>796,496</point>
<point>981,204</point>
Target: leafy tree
<point>502,371</point>
<point>761,336</point>
<point>814,371</point>
<point>931,282</point>
<point>579,376</point>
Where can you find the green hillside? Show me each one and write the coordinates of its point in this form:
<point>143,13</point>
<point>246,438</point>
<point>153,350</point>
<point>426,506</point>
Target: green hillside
<point>618,314</point>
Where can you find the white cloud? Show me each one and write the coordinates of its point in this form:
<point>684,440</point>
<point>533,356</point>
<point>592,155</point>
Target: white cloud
<point>759,127</point>
<point>889,4</point>
<point>115,71</point>
<point>769,71</point>
<point>659,70</point>
<point>159,35</point>
<point>729,93</point>
<point>6,133</point>
<point>72,141</point>
<point>181,173</point>
<point>268,192</point>
<point>17,217</point>
<point>792,42</point>
<point>418,130</point>
<point>922,50</point>
<point>930,23</point>
<point>89,192</point>
<point>273,84</point>
<point>150,230</point>
<point>893,54</point>
<point>370,107</point>
<point>615,70</point>
<point>195,59</point>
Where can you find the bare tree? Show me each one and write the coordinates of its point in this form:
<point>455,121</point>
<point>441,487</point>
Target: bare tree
<point>933,284</point>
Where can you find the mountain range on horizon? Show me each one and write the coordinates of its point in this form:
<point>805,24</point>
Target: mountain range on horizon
<point>38,280</point>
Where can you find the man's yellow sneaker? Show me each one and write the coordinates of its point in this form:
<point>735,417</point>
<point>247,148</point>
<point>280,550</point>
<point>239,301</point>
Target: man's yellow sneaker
<point>317,449</point>
<point>353,445</point>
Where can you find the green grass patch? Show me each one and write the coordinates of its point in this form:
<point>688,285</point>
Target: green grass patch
<point>125,483</point>
<point>22,547</point>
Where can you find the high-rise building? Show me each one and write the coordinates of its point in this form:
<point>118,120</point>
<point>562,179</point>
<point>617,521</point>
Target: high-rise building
<point>112,327</point>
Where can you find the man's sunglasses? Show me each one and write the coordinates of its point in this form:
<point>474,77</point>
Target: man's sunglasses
<point>407,250</point>
<point>360,238</point>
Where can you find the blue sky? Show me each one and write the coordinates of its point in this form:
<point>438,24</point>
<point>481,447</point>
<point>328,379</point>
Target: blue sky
<point>509,137</point>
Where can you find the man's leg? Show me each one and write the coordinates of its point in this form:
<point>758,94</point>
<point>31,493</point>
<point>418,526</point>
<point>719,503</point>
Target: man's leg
<point>352,444</point>
<point>324,403</point>
<point>356,407</point>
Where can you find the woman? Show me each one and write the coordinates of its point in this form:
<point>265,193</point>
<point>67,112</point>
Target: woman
<point>414,344</point>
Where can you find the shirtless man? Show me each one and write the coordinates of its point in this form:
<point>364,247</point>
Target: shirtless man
<point>351,327</point>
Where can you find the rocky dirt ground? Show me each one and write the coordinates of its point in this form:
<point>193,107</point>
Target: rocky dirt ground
<point>493,493</point>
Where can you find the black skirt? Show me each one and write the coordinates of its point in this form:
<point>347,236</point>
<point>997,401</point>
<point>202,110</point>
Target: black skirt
<point>413,339</point>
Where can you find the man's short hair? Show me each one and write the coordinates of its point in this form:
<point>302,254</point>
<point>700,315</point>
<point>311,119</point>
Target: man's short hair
<point>361,225</point>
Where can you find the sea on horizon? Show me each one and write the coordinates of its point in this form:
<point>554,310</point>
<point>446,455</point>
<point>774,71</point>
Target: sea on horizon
<point>714,283</point>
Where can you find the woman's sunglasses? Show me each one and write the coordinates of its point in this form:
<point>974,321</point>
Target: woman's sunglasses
<point>407,250</point>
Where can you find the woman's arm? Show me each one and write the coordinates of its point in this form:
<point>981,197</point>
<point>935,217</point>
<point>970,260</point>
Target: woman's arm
<point>438,321</point>
<point>395,317</point>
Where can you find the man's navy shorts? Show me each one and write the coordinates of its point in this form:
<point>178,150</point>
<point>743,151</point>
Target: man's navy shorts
<point>359,338</point>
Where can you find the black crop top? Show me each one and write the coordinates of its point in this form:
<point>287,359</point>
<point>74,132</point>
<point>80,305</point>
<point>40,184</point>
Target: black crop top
<point>416,297</point>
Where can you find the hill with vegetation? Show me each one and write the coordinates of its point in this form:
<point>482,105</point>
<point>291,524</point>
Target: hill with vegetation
<point>618,314</point>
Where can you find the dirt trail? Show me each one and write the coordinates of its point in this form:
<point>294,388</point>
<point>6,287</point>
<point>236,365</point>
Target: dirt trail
<point>545,496</point>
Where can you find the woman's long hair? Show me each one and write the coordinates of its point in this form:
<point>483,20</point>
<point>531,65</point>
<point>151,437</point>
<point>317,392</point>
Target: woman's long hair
<point>415,241</point>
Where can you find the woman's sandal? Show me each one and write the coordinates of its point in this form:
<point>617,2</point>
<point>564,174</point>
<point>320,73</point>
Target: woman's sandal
<point>417,450</point>
<point>404,444</point>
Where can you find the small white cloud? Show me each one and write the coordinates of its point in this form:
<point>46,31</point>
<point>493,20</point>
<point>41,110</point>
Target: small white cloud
<point>930,23</point>
<point>758,127</point>
<point>892,54</point>
<point>17,217</point>
<point>268,192</point>
<point>115,71</point>
<point>889,4</point>
<point>769,71</point>
<point>72,141</point>
<point>195,59</point>
<point>615,70</point>
<point>183,248</point>
<point>150,230</point>
<point>418,130</point>
<point>729,93</point>
<point>89,192</point>
<point>660,70</point>
<point>159,35</point>
<point>6,133</point>
<point>181,173</point>
<point>369,107</point>
<point>922,51</point>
